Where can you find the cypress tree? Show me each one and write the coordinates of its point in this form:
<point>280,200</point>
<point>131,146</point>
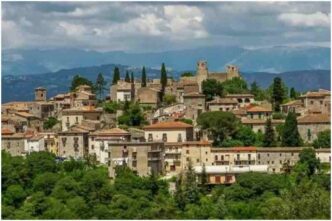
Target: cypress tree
<point>127,78</point>
<point>292,93</point>
<point>277,93</point>
<point>100,85</point>
<point>269,136</point>
<point>132,77</point>
<point>143,77</point>
<point>116,75</point>
<point>290,134</point>
<point>163,80</point>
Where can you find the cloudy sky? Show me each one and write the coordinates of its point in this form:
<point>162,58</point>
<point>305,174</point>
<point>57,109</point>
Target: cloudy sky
<point>146,26</point>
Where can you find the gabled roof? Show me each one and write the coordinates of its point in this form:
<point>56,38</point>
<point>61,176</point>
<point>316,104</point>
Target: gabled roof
<point>168,125</point>
<point>111,132</point>
<point>6,131</point>
<point>314,118</point>
<point>258,109</point>
<point>223,101</point>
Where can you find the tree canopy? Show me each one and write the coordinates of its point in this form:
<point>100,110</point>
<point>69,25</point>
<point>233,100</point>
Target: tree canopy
<point>290,133</point>
<point>79,80</point>
<point>212,88</point>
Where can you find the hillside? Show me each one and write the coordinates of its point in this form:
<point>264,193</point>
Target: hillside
<point>273,59</point>
<point>21,88</point>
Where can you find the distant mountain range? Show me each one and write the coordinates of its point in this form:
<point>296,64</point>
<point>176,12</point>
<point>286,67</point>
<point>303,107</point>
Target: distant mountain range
<point>21,87</point>
<point>273,59</point>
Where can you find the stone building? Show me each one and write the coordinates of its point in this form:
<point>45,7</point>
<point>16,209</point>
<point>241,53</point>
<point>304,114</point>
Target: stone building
<point>259,112</point>
<point>83,96</point>
<point>311,124</point>
<point>317,102</point>
<point>175,131</point>
<point>276,157</point>
<point>12,142</point>
<point>51,142</point>
<point>148,96</point>
<point>122,91</point>
<point>144,158</point>
<point>34,143</point>
<point>258,125</point>
<point>73,143</point>
<point>40,94</point>
<point>75,116</point>
<point>99,142</point>
<point>222,104</point>
<point>195,103</point>
<point>242,99</point>
<point>42,109</point>
<point>203,74</point>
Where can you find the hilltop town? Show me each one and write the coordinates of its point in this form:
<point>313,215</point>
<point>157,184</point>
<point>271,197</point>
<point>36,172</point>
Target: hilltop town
<point>212,121</point>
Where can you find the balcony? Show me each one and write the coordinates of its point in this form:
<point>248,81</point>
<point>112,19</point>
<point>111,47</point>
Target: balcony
<point>154,158</point>
<point>172,151</point>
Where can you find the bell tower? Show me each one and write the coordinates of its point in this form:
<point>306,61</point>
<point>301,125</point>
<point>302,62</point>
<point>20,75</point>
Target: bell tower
<point>232,71</point>
<point>40,94</point>
<point>202,73</point>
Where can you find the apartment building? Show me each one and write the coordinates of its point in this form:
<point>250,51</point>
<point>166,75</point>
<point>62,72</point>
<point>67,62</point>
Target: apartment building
<point>175,131</point>
<point>144,158</point>
<point>73,143</point>
<point>75,116</point>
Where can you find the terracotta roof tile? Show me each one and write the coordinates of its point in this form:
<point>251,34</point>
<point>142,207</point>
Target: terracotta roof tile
<point>168,125</point>
<point>6,131</point>
<point>112,131</point>
<point>259,109</point>
<point>314,118</point>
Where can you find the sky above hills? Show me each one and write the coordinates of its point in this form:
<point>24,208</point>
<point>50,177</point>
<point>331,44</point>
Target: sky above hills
<point>162,26</point>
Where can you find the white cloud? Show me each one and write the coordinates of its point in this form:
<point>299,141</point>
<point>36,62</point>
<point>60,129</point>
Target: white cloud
<point>317,19</point>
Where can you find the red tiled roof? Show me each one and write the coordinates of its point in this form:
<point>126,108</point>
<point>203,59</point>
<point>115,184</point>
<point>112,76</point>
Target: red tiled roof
<point>6,131</point>
<point>169,125</point>
<point>314,118</point>
<point>259,109</point>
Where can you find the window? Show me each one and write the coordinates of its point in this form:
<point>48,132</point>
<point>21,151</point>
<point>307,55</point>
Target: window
<point>292,154</point>
<point>150,139</point>
<point>259,156</point>
<point>311,102</point>
<point>249,157</point>
<point>216,157</point>
<point>280,161</point>
<point>268,162</point>
<point>188,159</point>
<point>222,157</point>
<point>164,137</point>
<point>238,156</point>
<point>179,138</point>
<point>92,147</point>
<point>321,102</point>
<point>272,162</point>
<point>77,120</point>
<point>206,152</point>
<point>187,151</point>
<point>280,154</point>
<point>217,179</point>
<point>67,119</point>
<point>197,160</point>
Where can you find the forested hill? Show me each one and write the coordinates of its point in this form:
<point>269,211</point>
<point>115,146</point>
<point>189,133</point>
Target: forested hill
<point>21,88</point>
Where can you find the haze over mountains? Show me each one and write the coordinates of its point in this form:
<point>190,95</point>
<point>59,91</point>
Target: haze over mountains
<point>273,59</point>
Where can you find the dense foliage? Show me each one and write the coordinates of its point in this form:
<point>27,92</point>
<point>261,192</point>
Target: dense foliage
<point>79,80</point>
<point>187,74</point>
<point>143,84</point>
<point>212,88</point>
<point>40,187</point>
<point>169,99</point>
<point>50,123</point>
<point>323,139</point>
<point>290,133</point>
<point>235,86</point>
<point>132,114</point>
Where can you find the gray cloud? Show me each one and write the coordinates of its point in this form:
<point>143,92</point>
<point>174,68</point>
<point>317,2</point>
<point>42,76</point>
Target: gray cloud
<point>155,26</point>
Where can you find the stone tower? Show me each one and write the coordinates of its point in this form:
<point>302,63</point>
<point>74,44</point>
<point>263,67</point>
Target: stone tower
<point>202,73</point>
<point>232,71</point>
<point>40,94</point>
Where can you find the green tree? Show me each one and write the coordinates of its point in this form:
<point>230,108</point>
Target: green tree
<point>246,135</point>
<point>290,134</point>
<point>132,77</point>
<point>50,123</point>
<point>116,75</point>
<point>277,93</point>
<point>293,94</point>
<point>323,140</point>
<point>111,107</point>
<point>143,77</point>
<point>41,162</point>
<point>14,195</point>
<point>100,85</point>
<point>220,125</point>
<point>269,135</point>
<point>187,74</point>
<point>308,158</point>
<point>163,78</point>
<point>169,99</point>
<point>212,88</point>
<point>127,78</point>
<point>78,80</point>
<point>235,86</point>
<point>45,182</point>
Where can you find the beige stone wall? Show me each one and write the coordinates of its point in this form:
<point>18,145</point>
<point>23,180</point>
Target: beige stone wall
<point>73,145</point>
<point>172,134</point>
<point>142,158</point>
<point>222,107</point>
<point>275,160</point>
<point>198,155</point>
<point>15,146</point>
<point>314,129</point>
